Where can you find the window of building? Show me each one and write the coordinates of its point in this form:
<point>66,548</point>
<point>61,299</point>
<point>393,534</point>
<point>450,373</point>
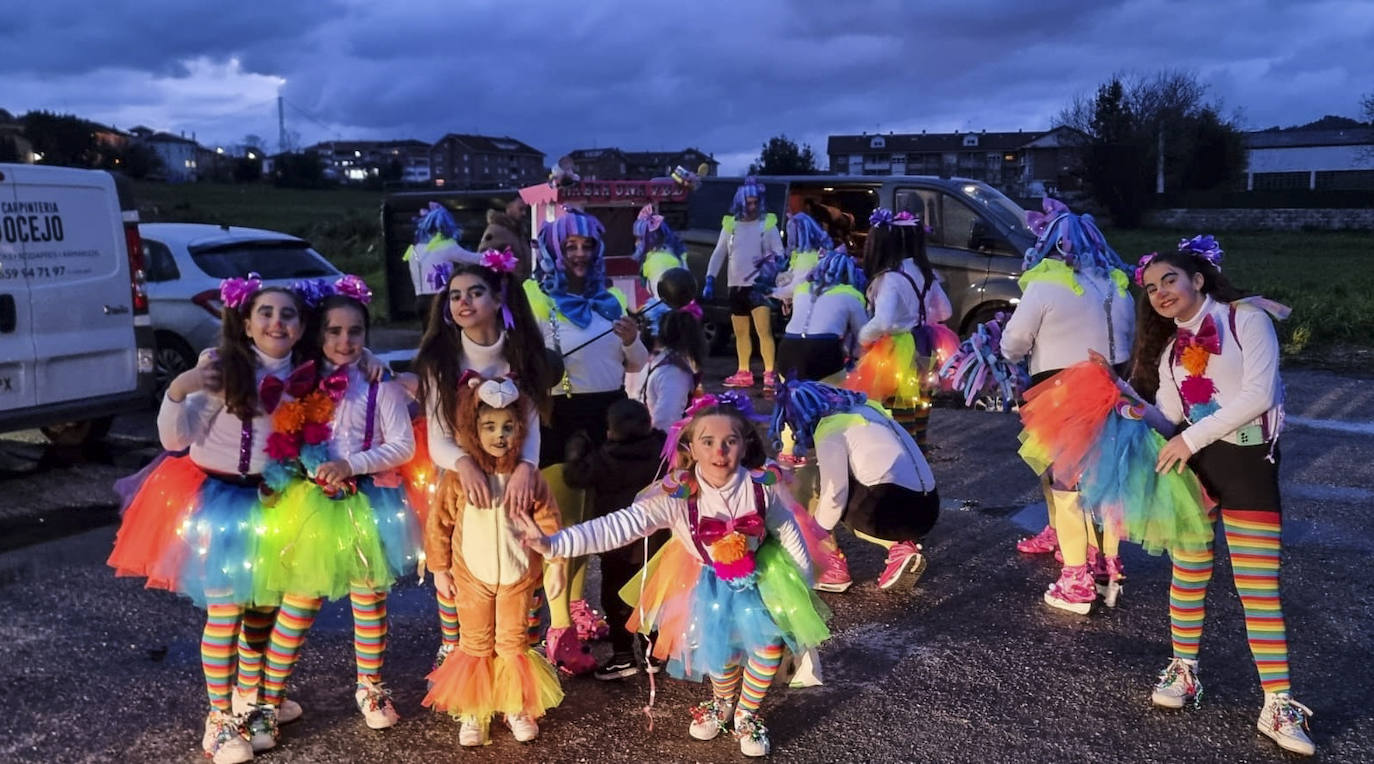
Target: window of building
<point>877,142</point>
<point>1346,180</point>
<point>1281,181</point>
<point>970,140</point>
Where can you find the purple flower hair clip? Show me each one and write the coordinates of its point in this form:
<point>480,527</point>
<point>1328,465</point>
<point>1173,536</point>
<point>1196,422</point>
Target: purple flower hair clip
<point>881,216</point>
<point>313,291</point>
<point>236,292</point>
<point>1140,268</point>
<point>501,262</point>
<point>438,276</point>
<point>742,402</point>
<point>1204,246</point>
<point>352,286</point>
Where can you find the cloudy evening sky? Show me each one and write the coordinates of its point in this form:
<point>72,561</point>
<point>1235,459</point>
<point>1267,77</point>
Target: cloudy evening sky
<point>721,76</point>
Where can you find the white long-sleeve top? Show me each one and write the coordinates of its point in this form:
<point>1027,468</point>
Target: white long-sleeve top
<point>876,452</point>
<point>840,312</point>
<point>1246,375</point>
<point>393,439</point>
<point>600,366</point>
<point>745,245</point>
<point>665,388</point>
<point>202,424</point>
<point>659,510</point>
<point>488,361</point>
<point>800,264</point>
<point>896,305</point>
<point>1057,327</point>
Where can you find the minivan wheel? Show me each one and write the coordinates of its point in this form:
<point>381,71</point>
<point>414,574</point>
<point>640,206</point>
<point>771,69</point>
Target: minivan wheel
<point>69,434</point>
<point>173,356</point>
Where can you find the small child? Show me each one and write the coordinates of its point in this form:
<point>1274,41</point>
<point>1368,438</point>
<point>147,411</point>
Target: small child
<point>478,562</point>
<point>673,374</point>
<point>616,472</point>
<point>731,588</point>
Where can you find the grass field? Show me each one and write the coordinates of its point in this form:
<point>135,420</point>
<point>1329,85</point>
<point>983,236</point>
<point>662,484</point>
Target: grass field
<point>1326,277</point>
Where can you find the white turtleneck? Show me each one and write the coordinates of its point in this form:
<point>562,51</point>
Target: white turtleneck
<point>1246,375</point>
<point>488,361</point>
<point>201,423</point>
<point>659,510</point>
<point>393,440</point>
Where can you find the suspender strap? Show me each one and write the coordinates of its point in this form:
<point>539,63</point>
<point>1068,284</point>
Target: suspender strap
<point>246,446</point>
<point>371,426</point>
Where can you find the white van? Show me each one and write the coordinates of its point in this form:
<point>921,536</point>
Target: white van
<point>76,345</point>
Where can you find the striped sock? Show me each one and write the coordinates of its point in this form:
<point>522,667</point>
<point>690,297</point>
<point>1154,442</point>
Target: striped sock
<point>369,631</point>
<point>294,619</point>
<point>448,619</point>
<point>253,633</point>
<point>532,621</point>
<point>1254,540</point>
<point>217,655</point>
<point>758,674</point>
<point>726,685</point>
<point>1187,599</point>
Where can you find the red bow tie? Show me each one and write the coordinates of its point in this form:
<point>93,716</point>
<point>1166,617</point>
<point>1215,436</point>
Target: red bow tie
<point>713,530</point>
<point>336,384</point>
<point>298,385</point>
<point>1206,338</point>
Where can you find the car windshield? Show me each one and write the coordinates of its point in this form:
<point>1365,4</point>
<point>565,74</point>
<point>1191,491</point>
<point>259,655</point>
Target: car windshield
<point>270,260</point>
<point>998,206</point>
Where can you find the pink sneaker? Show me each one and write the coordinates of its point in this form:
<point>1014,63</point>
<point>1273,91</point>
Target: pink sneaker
<point>1044,542</point>
<point>903,556</point>
<point>741,378</point>
<point>1074,591</point>
<point>835,576</point>
<point>590,624</point>
<point>568,653</point>
<point>770,382</point>
<point>1108,573</point>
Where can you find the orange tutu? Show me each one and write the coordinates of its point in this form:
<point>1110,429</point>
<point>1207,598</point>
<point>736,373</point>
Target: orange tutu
<point>887,368</point>
<point>1063,417</point>
<point>420,476</point>
<point>483,686</point>
<point>666,604</point>
<point>147,543</point>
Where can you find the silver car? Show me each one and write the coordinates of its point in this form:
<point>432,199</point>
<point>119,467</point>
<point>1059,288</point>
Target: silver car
<point>184,263</point>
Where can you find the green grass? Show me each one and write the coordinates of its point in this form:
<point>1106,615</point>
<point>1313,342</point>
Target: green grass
<point>1326,277</point>
<point>342,224</point>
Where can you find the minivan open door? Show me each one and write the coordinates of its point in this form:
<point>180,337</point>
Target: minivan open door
<point>16,339</point>
<point>79,284</point>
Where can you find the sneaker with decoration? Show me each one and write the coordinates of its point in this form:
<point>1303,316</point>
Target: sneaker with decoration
<point>374,701</point>
<point>741,378</point>
<point>1074,591</point>
<point>770,382</point>
<point>834,577</point>
<point>473,732</point>
<point>1284,721</point>
<point>751,734</point>
<point>262,727</point>
<point>1044,542</point>
<point>708,718</point>
<point>224,741</point>
<point>1178,685</point>
<point>567,652</point>
<point>243,704</point>
<point>901,557</point>
<point>1108,573</point>
<point>589,622</point>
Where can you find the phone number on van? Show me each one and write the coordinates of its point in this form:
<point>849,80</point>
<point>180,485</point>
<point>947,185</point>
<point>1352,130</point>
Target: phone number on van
<point>39,272</point>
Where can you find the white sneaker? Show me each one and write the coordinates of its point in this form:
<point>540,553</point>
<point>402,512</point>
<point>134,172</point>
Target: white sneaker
<point>1110,592</point>
<point>1178,685</point>
<point>1284,720</point>
<point>472,733</point>
<point>752,735</point>
<point>375,703</point>
<point>261,726</point>
<point>708,718</point>
<point>243,703</point>
<point>223,740</point>
<point>523,727</point>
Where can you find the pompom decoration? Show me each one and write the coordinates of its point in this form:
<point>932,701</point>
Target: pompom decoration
<point>881,216</point>
<point>281,446</point>
<point>1204,246</point>
<point>237,292</point>
<point>978,368</point>
<point>299,442</point>
<point>355,287</point>
<point>315,434</point>
<point>312,291</point>
<point>501,262</point>
<point>289,417</point>
<point>1195,359</point>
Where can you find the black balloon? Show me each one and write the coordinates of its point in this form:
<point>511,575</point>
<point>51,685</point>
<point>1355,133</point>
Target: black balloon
<point>676,287</point>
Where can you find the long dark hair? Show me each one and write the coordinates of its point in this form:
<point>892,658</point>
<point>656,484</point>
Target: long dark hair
<point>888,245</point>
<point>1153,331</point>
<point>682,339</point>
<point>437,360</point>
<point>312,343</point>
<point>237,362</point>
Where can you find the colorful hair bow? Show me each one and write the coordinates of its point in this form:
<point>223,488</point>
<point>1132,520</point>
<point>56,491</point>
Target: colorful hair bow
<point>353,286</point>
<point>905,218</point>
<point>881,216</point>
<point>503,261</point>
<point>1140,267</point>
<point>1204,246</point>
<point>647,219</point>
<point>313,291</point>
<point>1039,222</point>
<point>692,309</point>
<point>236,292</point>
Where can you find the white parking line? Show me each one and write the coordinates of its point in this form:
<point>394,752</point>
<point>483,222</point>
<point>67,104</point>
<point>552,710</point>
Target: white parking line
<point>1336,425</point>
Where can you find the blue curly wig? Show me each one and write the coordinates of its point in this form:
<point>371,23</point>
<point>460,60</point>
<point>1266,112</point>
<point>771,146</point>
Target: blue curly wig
<point>550,271</point>
<point>1076,240</point>
<point>804,233</point>
<point>801,405</point>
<point>837,267</point>
<point>750,187</point>
<point>647,241</point>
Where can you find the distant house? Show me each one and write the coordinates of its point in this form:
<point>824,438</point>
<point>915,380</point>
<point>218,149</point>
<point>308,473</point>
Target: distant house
<point>479,161</point>
<point>1316,159</point>
<point>181,156</point>
<point>1020,163</point>
<point>357,161</point>
<point>613,163</point>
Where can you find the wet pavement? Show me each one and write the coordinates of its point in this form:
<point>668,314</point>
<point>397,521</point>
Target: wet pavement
<point>968,666</point>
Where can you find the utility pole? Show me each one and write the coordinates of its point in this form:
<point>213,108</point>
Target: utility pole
<point>1159,164</point>
<point>281,126</point>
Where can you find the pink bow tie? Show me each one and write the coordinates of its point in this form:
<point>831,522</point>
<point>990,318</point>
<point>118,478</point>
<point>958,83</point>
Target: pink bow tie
<point>298,385</point>
<point>336,384</point>
<point>713,530</point>
<point>1206,338</point>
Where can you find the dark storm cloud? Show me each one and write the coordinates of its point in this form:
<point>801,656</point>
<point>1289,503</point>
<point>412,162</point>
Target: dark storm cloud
<point>723,76</point>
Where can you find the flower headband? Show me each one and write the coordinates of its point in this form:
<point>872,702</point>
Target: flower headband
<point>648,220</point>
<point>1203,246</point>
<point>741,402</point>
<point>314,291</point>
<point>237,292</point>
<point>883,216</point>
<point>504,263</point>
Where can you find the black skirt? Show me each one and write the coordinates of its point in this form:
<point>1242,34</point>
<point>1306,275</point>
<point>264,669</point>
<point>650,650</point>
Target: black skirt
<point>891,512</point>
<point>1239,477</point>
<point>582,412</point>
<point>812,358</point>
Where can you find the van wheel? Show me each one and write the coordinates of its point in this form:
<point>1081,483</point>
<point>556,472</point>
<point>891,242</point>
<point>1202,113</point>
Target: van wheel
<point>69,434</point>
<point>173,356</point>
